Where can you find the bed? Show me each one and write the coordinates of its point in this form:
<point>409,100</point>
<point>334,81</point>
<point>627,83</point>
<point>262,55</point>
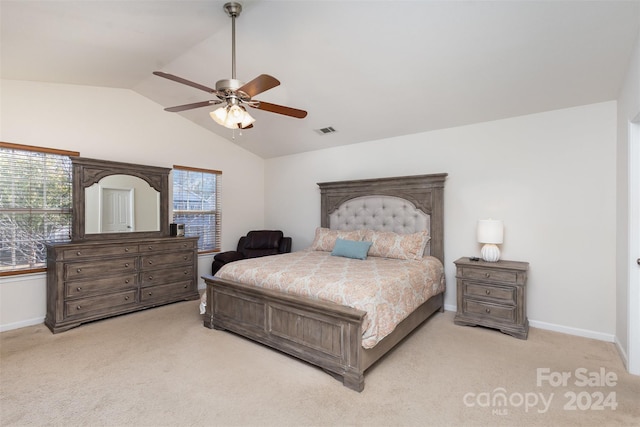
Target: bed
<point>322,331</point>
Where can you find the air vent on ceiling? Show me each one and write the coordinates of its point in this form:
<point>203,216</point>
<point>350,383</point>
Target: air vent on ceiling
<point>326,130</point>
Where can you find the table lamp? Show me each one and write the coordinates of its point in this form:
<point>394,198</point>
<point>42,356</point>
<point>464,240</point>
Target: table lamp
<point>490,232</point>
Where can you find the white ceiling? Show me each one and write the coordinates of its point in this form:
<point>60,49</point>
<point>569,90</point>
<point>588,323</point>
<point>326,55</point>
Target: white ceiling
<point>370,69</point>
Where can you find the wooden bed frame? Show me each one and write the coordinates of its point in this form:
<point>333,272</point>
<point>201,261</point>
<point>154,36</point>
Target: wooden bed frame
<point>325,334</point>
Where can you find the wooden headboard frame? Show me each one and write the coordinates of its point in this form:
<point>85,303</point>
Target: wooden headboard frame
<point>426,192</point>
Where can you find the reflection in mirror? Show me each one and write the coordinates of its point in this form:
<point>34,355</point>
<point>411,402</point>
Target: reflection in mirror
<point>121,204</point>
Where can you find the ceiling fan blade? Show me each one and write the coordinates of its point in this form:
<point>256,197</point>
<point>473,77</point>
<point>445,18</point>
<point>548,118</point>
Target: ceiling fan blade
<point>274,108</point>
<point>191,106</point>
<point>185,81</point>
<point>260,84</point>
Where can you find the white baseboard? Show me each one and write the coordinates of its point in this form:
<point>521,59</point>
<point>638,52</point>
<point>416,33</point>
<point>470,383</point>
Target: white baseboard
<point>622,353</point>
<point>21,324</point>
<point>600,336</point>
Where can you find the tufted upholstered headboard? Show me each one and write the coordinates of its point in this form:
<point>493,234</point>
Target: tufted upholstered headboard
<point>401,204</point>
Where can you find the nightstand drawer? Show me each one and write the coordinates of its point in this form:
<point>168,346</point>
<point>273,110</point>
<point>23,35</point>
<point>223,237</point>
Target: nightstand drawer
<point>497,312</point>
<point>494,293</point>
<point>489,274</point>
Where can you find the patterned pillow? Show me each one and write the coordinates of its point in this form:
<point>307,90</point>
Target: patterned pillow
<point>325,238</point>
<point>388,244</point>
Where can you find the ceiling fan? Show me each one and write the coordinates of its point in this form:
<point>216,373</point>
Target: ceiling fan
<point>233,93</point>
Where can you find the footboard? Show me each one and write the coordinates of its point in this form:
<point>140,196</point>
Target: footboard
<point>324,334</point>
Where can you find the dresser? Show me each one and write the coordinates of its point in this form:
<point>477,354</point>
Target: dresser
<point>492,294</point>
<point>88,281</point>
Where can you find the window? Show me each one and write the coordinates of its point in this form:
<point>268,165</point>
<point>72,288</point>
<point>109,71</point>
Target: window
<point>35,205</point>
<point>196,204</point>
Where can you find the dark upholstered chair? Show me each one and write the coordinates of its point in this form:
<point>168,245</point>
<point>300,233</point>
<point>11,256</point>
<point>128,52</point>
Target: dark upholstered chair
<point>255,244</point>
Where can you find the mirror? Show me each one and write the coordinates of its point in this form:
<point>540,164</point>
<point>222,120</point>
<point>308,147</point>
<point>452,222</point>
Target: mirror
<point>121,204</point>
<point>119,200</point>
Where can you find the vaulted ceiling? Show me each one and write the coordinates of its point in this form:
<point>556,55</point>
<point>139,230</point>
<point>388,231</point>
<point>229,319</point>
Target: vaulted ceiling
<point>369,69</point>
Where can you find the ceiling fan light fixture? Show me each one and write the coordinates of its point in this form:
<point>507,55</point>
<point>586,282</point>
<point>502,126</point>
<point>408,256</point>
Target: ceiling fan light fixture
<point>232,117</point>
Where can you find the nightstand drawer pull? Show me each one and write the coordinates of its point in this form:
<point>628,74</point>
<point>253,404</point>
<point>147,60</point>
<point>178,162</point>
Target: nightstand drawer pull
<point>487,275</point>
<point>488,292</point>
<point>487,310</point>
<point>78,289</point>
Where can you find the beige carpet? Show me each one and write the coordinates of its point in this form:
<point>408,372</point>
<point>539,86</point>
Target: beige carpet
<point>162,367</point>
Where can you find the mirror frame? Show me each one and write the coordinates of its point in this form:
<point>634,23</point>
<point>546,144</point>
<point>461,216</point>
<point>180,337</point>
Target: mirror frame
<point>87,172</point>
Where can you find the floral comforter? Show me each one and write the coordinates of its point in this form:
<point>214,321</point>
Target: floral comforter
<point>388,290</point>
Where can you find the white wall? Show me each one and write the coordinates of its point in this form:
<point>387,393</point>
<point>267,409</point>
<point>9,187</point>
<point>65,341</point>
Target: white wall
<point>120,125</point>
<point>628,110</point>
<point>550,177</point>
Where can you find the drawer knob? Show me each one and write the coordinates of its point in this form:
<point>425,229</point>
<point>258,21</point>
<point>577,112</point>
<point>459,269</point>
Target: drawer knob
<point>126,298</point>
<point>186,257</point>
<point>150,277</point>
<point>78,253</point>
<point>126,249</point>
<point>79,270</point>
<point>79,307</point>
<point>78,289</point>
<point>186,272</point>
<point>487,310</point>
<point>126,281</point>
<point>186,286</point>
<point>150,262</point>
<point>488,292</point>
<point>487,275</point>
<point>150,248</point>
<point>150,293</point>
<point>127,265</point>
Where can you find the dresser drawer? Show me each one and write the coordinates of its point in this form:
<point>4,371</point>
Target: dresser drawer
<point>488,292</point>
<point>92,269</point>
<point>103,303</point>
<point>493,311</point>
<point>168,246</point>
<point>98,251</point>
<point>159,293</point>
<point>82,288</point>
<point>166,275</point>
<point>488,274</point>
<point>160,260</point>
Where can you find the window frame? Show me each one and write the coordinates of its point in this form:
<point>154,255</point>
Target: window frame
<point>43,150</point>
<point>217,235</point>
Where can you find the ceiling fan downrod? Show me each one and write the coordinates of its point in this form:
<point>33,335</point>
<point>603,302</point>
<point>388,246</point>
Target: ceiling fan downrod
<point>233,9</point>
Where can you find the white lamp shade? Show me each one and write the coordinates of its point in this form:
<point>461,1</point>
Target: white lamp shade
<point>490,231</point>
<point>230,117</point>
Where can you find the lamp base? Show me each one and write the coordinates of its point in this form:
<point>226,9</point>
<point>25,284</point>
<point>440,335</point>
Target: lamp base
<point>490,253</point>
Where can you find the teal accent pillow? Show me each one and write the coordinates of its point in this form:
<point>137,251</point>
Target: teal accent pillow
<point>351,249</point>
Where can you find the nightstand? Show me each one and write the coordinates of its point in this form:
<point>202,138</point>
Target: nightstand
<point>493,294</point>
